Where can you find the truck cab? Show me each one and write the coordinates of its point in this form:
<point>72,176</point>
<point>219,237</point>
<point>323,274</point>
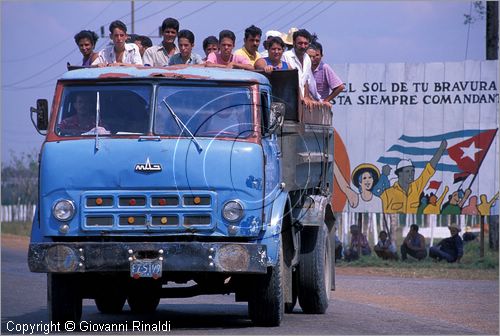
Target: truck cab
<point>217,179</point>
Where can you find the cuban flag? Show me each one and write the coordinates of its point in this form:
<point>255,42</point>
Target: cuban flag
<point>463,157</point>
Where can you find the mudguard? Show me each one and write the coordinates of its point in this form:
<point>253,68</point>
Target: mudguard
<point>272,234</point>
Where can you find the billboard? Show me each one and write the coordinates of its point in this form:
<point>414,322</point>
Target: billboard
<point>417,138</point>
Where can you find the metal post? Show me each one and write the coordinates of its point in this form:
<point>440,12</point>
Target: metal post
<point>132,15</point>
<point>491,30</point>
<point>481,238</point>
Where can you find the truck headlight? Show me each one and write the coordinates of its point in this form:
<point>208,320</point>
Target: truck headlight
<point>232,211</point>
<point>63,210</point>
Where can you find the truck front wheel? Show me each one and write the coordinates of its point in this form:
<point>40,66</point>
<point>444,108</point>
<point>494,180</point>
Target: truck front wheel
<point>315,270</point>
<point>266,305</point>
<point>64,300</point>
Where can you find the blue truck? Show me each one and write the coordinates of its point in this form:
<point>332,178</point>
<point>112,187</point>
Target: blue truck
<point>182,181</point>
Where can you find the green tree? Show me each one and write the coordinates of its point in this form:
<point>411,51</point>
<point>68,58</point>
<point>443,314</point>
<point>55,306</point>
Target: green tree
<point>20,179</point>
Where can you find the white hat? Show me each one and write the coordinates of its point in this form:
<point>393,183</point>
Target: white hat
<point>404,163</point>
<point>272,33</point>
<point>288,38</point>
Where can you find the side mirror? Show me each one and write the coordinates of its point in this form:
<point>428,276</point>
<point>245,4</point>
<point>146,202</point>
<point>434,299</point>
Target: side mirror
<point>277,116</point>
<point>42,115</point>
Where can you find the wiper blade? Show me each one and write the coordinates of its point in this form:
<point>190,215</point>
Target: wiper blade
<point>182,126</point>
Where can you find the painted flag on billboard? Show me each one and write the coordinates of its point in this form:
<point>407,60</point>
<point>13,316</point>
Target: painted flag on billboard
<point>470,153</point>
<point>434,185</point>
<point>464,155</point>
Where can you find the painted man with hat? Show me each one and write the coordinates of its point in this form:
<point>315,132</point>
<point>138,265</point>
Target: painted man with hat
<point>451,249</point>
<point>404,195</point>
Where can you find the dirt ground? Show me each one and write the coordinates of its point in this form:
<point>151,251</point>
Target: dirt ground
<point>405,291</point>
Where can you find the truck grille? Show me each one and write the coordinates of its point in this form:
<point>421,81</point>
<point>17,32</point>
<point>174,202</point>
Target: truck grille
<point>150,211</point>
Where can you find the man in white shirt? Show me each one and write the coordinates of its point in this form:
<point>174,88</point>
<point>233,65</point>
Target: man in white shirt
<point>120,52</point>
<point>297,58</point>
<point>159,55</point>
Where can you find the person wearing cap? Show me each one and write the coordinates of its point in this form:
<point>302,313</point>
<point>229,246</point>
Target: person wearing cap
<point>413,245</point>
<point>251,44</point>
<point>160,54</point>
<point>451,249</point>
<point>297,58</point>
<point>404,195</point>
<point>365,176</point>
<point>359,243</point>
<point>269,34</point>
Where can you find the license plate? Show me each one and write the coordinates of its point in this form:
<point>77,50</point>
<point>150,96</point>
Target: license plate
<point>145,268</point>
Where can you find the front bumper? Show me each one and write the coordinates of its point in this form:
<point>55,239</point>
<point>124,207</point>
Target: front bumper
<point>175,256</point>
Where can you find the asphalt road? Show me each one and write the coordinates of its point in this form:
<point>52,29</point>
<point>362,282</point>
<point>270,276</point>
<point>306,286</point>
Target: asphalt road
<point>360,305</point>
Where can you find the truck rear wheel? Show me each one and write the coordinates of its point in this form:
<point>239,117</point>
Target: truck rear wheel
<point>266,305</point>
<point>144,295</point>
<point>64,300</point>
<point>315,271</point>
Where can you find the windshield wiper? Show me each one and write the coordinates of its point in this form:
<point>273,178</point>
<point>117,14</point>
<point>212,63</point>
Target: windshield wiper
<point>182,126</point>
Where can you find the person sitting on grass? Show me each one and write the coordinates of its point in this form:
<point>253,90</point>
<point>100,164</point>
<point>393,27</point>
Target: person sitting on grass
<point>414,244</point>
<point>385,248</point>
<point>358,241</point>
<point>451,249</point>
<point>468,235</point>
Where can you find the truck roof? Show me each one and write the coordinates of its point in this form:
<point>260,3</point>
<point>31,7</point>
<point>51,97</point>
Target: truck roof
<point>172,72</point>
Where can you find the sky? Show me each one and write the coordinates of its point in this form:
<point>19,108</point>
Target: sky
<point>37,39</point>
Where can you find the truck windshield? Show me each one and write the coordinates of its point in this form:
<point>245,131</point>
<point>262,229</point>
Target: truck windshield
<point>121,110</point>
<point>205,111</point>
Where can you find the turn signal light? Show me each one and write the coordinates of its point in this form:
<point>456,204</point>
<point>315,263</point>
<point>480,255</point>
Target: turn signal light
<point>131,220</point>
<point>197,200</point>
<point>98,201</point>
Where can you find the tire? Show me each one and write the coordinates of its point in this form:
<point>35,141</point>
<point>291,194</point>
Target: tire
<point>289,306</point>
<point>64,300</point>
<point>315,271</point>
<point>144,296</point>
<point>266,306</point>
<point>110,304</point>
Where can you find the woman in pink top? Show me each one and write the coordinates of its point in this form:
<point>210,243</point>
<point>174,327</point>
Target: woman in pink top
<point>225,58</point>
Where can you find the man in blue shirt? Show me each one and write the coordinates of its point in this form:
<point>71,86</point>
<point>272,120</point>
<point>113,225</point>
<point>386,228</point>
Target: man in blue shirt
<point>451,248</point>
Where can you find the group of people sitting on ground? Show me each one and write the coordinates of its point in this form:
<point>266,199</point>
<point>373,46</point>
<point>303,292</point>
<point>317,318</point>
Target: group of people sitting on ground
<point>449,249</point>
<point>296,50</point>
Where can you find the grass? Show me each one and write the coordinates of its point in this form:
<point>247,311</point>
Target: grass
<point>472,266</point>
<point>17,228</point>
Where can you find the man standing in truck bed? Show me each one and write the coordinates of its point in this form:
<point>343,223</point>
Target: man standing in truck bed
<point>159,55</point>
<point>297,58</point>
